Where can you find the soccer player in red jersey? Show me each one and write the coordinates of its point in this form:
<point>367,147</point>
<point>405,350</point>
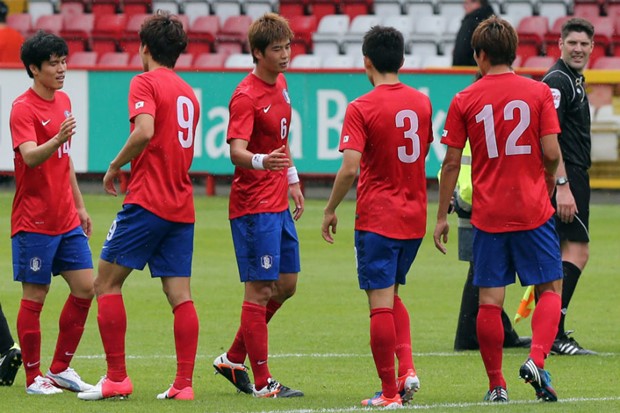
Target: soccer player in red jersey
<point>263,231</point>
<point>49,223</point>
<point>386,134</point>
<point>512,128</point>
<point>156,224</point>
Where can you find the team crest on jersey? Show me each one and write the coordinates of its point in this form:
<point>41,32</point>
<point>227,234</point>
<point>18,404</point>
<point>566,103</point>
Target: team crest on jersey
<point>557,97</point>
<point>266,261</point>
<point>139,104</point>
<point>67,113</point>
<point>35,264</point>
<point>345,139</point>
<point>444,133</point>
<point>286,97</point>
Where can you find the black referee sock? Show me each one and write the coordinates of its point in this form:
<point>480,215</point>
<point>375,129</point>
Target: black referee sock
<point>571,277</point>
<point>6,340</point>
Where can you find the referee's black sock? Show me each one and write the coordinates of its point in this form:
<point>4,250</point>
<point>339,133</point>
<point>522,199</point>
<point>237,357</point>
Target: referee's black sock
<point>571,277</point>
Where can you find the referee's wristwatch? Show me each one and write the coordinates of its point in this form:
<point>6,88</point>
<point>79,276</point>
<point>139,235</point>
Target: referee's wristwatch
<point>561,180</point>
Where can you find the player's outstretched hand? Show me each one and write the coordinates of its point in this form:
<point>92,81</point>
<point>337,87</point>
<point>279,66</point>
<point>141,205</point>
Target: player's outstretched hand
<point>330,221</point>
<point>440,235</point>
<point>67,129</point>
<point>277,160</point>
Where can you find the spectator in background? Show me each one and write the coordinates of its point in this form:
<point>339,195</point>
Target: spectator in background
<point>475,12</point>
<point>10,39</point>
<point>572,197</point>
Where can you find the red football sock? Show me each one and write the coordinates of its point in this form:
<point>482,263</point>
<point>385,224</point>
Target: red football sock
<point>545,326</point>
<point>490,332</point>
<point>70,326</point>
<point>29,334</point>
<point>186,342</point>
<point>382,344</point>
<point>112,320</point>
<point>403,337</point>
<point>237,352</point>
<point>256,337</point>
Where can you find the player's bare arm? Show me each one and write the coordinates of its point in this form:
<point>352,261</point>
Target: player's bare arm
<point>344,179</point>
<point>137,141</point>
<point>34,155</point>
<point>295,188</point>
<point>449,175</point>
<point>240,156</point>
<point>566,205</point>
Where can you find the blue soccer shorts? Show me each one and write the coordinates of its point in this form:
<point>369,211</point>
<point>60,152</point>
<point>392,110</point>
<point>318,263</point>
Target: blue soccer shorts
<point>266,245</point>
<point>534,255</point>
<point>138,237</point>
<point>37,256</point>
<point>382,261</point>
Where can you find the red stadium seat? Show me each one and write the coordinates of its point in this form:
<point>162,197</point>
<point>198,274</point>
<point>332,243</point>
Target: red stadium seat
<point>604,31</point>
<point>234,31</point>
<point>107,33</point>
<point>104,6</point>
<point>77,30</point>
<point>290,8</point>
<point>202,34</point>
<point>71,8</point>
<point>354,8</point>
<point>587,10</point>
<point>538,62</point>
<point>114,59</point>
<point>531,31</point>
<point>553,36</point>
<point>184,61</point>
<point>130,41</point>
<point>303,27</point>
<point>615,40</point>
<point>607,63</point>
<point>210,61</point>
<point>131,7</point>
<point>51,23</point>
<point>22,22</point>
<point>82,59</point>
<point>321,8</point>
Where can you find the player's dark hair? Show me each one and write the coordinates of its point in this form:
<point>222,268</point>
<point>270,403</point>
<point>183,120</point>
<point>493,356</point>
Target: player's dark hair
<point>385,47</point>
<point>4,10</point>
<point>268,28</point>
<point>40,48</point>
<point>577,24</point>
<point>165,37</point>
<point>498,39</point>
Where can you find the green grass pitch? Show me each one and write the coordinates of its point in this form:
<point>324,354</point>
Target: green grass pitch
<point>319,341</point>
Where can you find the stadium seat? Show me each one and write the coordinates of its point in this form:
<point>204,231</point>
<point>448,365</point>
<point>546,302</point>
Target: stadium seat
<point>290,8</point>
<point>256,8</point>
<point>130,40</point>
<point>210,61</point>
<point>538,62</point>
<point>419,8</point>
<point>82,59</point>
<point>427,35</point>
<point>412,61</point>
<point>234,31</point>
<point>131,7</point>
<point>354,8</point>
<point>329,35</point>
<point>519,9</point>
<point>107,33</point>
<point>38,8</point>
<point>171,6</point>
<point>306,61</point>
<point>552,37</point>
<point>338,62</point>
<point>22,22</point>
<point>71,8</point>
<point>531,31</point>
<point>322,8</point>
<point>195,9</point>
<point>114,59</point>
<point>353,38</point>
<point>100,7</point>
<point>432,61</point>
<point>225,9</point>
<point>76,31</point>
<point>239,61</point>
<point>553,9</point>
<point>615,40</point>
<point>303,27</point>
<point>607,62</point>
<point>184,61</point>
<point>451,9</point>
<point>135,62</point>
<point>586,10</point>
<point>202,33</point>
<point>517,62</point>
<point>604,30</point>
<point>51,23</point>
<point>613,10</point>
<point>403,23</point>
<point>387,8</point>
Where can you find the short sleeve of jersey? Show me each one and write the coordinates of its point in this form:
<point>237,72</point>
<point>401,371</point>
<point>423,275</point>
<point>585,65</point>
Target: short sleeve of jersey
<point>455,129</point>
<point>22,125</point>
<point>353,135</point>
<point>560,92</point>
<point>141,97</point>
<point>549,119</point>
<point>241,121</point>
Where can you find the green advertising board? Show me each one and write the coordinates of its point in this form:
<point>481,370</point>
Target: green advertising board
<point>319,102</point>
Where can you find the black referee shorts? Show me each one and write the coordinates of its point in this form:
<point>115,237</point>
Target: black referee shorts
<point>578,230</point>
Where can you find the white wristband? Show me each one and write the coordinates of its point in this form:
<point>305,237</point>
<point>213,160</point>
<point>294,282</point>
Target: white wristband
<point>292,176</point>
<point>257,161</point>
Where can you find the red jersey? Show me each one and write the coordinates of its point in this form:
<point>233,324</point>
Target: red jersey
<point>505,117</point>
<point>160,181</point>
<point>260,113</point>
<point>10,45</point>
<point>391,127</point>
<point>43,201</point>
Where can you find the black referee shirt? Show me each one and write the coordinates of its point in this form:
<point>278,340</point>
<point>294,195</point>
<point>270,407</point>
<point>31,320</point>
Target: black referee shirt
<point>573,109</point>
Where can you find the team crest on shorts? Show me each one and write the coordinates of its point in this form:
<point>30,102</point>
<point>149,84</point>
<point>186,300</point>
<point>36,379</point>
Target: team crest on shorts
<point>35,264</point>
<point>266,261</point>
<point>286,97</point>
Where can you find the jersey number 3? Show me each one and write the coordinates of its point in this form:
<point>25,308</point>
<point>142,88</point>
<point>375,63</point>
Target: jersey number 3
<point>411,133</point>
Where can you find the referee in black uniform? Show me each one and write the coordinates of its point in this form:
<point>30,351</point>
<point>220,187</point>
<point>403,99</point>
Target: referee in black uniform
<point>572,197</point>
